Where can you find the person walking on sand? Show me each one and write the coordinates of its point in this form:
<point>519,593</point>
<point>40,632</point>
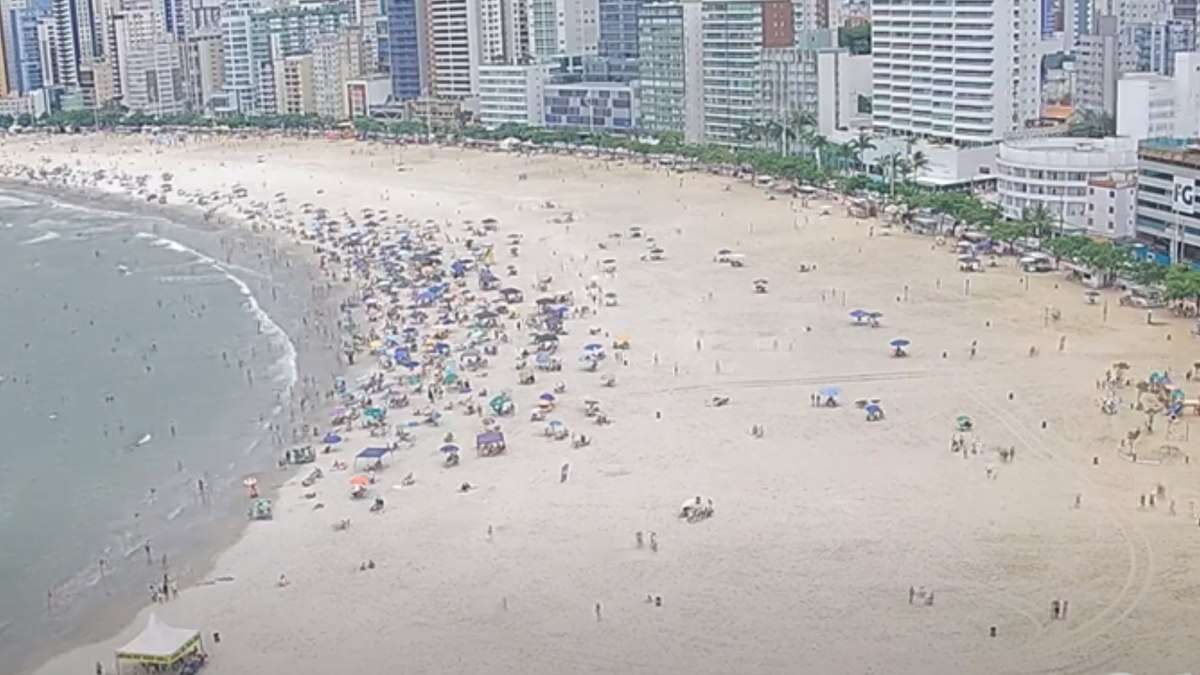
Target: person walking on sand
<point>637,536</point>
<point>597,612</point>
<point>912,593</point>
<point>1054,609</point>
<point>563,472</point>
<point>654,542</point>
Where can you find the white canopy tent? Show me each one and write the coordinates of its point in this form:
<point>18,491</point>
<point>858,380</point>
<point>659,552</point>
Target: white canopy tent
<point>160,644</point>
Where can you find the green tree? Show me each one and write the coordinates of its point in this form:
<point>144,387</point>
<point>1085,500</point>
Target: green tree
<point>1092,124</point>
<point>860,145</point>
<point>1038,220</point>
<point>857,39</point>
<point>917,162</point>
<point>1147,273</point>
<point>1182,283</point>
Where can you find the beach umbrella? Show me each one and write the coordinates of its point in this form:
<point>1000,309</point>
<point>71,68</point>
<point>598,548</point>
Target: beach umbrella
<point>331,438</point>
<point>873,409</point>
<point>250,481</point>
<point>593,347</point>
<point>900,342</point>
<point>963,420</point>
<point>829,392</point>
<point>547,397</point>
<point>360,480</point>
<point>859,314</point>
<point>450,449</point>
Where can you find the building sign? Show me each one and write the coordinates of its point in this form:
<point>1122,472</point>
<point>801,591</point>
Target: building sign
<point>1185,196</point>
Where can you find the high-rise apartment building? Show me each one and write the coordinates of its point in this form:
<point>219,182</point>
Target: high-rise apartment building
<point>203,69</point>
<point>6,86</point>
<point>21,40</point>
<point>563,28</point>
<point>257,41</point>
<point>1098,67</point>
<point>962,71</point>
<point>671,68</point>
<point>735,34</point>
<point>617,41</point>
<point>239,73</point>
<point>513,94</point>
<point>143,59</point>
<point>47,42</point>
<point>454,48</point>
<point>1151,46</point>
<point>67,42</point>
<point>407,46</point>
<point>337,58</point>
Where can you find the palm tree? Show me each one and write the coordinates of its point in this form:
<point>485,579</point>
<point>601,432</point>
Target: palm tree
<point>893,163</point>
<point>1038,220</point>
<point>802,125</point>
<point>775,129</point>
<point>860,146</point>
<point>917,161</point>
<point>753,131</point>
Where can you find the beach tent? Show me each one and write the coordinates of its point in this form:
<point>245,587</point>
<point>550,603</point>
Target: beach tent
<point>372,455</point>
<point>160,645</point>
<point>489,443</point>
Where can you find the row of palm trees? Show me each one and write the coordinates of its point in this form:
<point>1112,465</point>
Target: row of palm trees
<point>796,133</point>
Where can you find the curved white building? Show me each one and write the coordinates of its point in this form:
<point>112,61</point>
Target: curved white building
<point>1055,172</point>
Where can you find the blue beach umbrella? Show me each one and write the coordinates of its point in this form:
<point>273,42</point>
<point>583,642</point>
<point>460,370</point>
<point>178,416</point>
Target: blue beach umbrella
<point>450,449</point>
<point>829,392</point>
<point>873,409</point>
<point>331,438</point>
<point>900,342</point>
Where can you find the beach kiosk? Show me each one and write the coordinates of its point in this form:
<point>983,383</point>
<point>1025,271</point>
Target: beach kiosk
<point>163,647</point>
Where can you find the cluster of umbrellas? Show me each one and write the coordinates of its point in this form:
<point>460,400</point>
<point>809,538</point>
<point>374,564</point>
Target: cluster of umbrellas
<point>863,315</point>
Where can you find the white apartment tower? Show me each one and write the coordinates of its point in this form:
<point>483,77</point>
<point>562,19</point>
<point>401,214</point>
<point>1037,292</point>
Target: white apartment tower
<point>503,32</point>
<point>563,27</point>
<point>454,48</point>
<point>962,71</point>
<point>240,80</point>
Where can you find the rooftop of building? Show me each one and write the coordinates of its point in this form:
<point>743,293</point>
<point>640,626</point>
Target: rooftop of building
<point>1183,151</point>
<point>1060,113</point>
<point>1071,144</point>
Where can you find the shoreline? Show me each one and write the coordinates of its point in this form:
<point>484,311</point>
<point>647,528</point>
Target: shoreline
<point>822,523</point>
<point>232,527</point>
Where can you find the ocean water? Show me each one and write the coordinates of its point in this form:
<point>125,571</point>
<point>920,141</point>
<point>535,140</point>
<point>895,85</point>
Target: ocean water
<point>132,365</point>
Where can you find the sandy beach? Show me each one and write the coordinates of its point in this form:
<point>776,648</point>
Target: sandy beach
<point>823,521</point>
